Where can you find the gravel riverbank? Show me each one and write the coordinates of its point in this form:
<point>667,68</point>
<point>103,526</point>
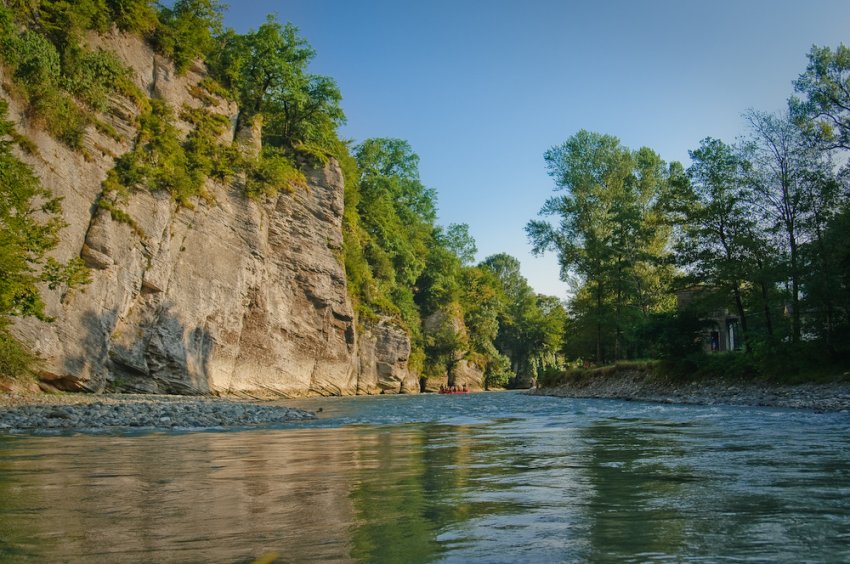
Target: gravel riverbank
<point>28,413</point>
<point>644,386</point>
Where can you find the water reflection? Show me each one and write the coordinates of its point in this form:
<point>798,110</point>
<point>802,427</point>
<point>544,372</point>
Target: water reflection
<point>487,481</point>
<point>637,476</point>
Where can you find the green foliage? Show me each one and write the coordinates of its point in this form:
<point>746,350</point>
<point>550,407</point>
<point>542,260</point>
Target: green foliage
<point>272,172</point>
<point>16,359</point>
<point>34,58</point>
<point>62,82</point>
<point>759,230</point>
<point>91,76</point>
<point>395,224</point>
<point>671,335</point>
<point>825,113</point>
<point>158,160</point>
<point>581,372</point>
<point>24,240</point>
<point>266,72</point>
<point>498,373</point>
<point>188,29</point>
<point>442,342</point>
<point>458,240</point>
<point>30,221</point>
<point>612,236</point>
<point>530,326</point>
<point>134,15</point>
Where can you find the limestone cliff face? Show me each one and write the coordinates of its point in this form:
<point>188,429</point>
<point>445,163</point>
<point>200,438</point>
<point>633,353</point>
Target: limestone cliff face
<point>384,351</point>
<point>233,296</point>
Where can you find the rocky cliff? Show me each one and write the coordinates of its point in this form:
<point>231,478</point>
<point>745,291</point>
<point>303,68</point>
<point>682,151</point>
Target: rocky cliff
<point>232,295</point>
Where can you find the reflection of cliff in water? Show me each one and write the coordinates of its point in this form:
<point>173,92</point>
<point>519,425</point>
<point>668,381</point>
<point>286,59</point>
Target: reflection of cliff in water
<point>318,494</point>
<point>198,497</point>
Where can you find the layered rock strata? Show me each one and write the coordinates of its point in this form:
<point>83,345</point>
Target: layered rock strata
<point>232,296</point>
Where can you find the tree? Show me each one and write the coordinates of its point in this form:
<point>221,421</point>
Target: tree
<point>134,15</point>
<point>612,235</point>
<point>785,180</point>
<point>458,240</point>
<point>825,113</point>
<point>266,70</point>
<point>525,333</point>
<point>188,29</point>
<point>715,222</point>
<point>395,217</point>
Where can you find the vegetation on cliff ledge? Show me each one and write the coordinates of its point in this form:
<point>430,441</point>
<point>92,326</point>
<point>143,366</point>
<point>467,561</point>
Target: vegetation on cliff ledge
<point>401,266</point>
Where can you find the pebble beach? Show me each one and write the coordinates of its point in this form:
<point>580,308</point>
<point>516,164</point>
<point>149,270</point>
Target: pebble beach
<point>69,412</point>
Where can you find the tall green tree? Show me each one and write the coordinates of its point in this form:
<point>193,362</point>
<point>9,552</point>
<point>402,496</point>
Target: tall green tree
<point>824,114</point>
<point>825,111</point>
<point>716,221</point>
<point>786,180</point>
<point>458,240</point>
<point>612,234</point>
<point>266,70</point>
<point>530,327</point>
<point>188,29</point>
<point>396,213</point>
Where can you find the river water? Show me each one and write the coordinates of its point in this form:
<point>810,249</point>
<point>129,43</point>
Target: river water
<point>491,477</point>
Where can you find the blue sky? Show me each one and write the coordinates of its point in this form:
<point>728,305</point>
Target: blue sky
<point>481,88</point>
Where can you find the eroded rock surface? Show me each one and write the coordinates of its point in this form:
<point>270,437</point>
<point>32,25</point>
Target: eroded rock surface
<point>384,351</point>
<point>232,296</point>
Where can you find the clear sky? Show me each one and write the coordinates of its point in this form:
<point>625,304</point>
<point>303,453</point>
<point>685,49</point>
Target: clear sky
<point>481,88</point>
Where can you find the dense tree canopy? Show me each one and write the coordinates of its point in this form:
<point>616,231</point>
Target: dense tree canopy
<point>611,236</point>
<point>266,70</point>
<point>753,234</point>
<point>825,112</point>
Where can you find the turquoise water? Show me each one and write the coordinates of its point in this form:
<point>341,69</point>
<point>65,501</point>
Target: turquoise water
<point>498,477</point>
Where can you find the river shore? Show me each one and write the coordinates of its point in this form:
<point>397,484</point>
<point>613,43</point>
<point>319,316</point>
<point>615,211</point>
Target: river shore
<point>30,412</point>
<point>635,385</point>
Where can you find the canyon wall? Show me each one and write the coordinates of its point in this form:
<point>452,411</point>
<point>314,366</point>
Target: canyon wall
<point>229,296</point>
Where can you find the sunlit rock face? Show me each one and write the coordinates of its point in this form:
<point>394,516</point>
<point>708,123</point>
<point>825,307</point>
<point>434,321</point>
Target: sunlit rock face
<point>232,295</point>
<point>384,351</point>
<point>469,374</point>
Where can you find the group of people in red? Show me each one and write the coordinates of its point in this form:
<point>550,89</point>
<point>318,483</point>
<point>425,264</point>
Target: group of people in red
<point>454,389</point>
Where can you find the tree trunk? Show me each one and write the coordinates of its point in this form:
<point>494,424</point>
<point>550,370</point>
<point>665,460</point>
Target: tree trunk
<point>739,305</point>
<point>767,318</point>
<point>796,330</point>
<point>599,321</point>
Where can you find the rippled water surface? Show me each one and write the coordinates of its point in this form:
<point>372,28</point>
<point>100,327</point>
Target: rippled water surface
<point>483,477</point>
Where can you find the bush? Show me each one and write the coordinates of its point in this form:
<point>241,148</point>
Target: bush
<point>498,372</point>
<point>272,172</point>
<point>91,76</point>
<point>16,360</point>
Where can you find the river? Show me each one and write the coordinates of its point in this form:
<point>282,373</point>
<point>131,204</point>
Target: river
<point>491,477</point>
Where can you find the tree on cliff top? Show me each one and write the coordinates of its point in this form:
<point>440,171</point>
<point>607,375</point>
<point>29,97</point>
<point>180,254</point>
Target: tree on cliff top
<point>188,29</point>
<point>266,70</point>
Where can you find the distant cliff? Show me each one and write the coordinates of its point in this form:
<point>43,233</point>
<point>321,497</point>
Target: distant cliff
<point>230,295</point>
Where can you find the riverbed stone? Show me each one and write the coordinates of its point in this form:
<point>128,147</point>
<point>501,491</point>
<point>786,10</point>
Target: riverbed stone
<point>646,386</point>
<point>119,411</point>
